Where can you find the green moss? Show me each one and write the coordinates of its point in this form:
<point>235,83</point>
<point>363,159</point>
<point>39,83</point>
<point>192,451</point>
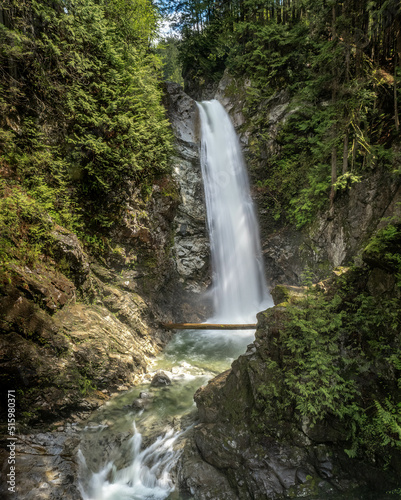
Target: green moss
<point>307,489</point>
<point>172,192</point>
<point>280,294</point>
<point>383,248</point>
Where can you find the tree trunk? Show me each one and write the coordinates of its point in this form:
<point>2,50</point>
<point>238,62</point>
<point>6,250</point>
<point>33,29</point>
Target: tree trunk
<point>333,178</point>
<point>396,117</point>
<point>354,143</point>
<point>334,127</point>
<point>208,326</point>
<point>397,61</point>
<point>345,151</point>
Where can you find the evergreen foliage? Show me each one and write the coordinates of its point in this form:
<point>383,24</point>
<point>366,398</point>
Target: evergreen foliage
<point>81,114</point>
<point>167,49</point>
<point>340,354</point>
<point>340,64</point>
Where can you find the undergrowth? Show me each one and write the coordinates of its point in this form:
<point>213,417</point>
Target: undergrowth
<point>340,354</point>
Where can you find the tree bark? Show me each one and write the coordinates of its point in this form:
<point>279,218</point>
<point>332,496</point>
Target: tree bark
<point>345,151</point>
<point>396,117</point>
<point>333,177</point>
<point>397,61</point>
<point>334,127</point>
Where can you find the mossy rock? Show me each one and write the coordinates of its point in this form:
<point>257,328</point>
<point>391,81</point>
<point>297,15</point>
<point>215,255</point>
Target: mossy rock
<point>286,294</point>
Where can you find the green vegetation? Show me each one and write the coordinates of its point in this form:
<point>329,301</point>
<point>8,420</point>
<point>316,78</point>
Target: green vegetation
<point>334,67</point>
<point>339,64</point>
<point>167,49</point>
<point>340,353</point>
<point>81,117</point>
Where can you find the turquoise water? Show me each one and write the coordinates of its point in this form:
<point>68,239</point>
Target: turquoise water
<point>117,461</point>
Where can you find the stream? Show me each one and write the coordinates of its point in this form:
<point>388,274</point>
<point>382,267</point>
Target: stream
<point>119,439</point>
<point>130,448</point>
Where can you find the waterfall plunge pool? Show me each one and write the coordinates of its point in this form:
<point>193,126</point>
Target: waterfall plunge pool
<point>130,453</point>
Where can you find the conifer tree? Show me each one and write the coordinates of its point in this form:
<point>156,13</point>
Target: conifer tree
<point>79,92</point>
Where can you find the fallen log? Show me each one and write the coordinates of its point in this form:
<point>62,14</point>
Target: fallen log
<point>208,326</point>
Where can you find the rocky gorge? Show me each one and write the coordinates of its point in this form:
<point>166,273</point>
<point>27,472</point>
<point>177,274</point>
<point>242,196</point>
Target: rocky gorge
<point>73,340</point>
<point>245,445</point>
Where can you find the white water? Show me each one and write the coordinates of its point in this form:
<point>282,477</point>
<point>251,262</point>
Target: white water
<point>146,476</point>
<point>239,293</point>
<point>239,287</point>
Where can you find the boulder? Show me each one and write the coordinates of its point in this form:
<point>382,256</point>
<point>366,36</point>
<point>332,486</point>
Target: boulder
<point>160,379</point>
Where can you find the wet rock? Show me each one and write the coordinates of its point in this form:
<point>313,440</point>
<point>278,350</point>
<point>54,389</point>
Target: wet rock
<point>204,482</point>
<point>146,395</point>
<point>46,466</point>
<point>191,244</point>
<point>160,379</point>
<point>140,404</point>
<point>200,479</point>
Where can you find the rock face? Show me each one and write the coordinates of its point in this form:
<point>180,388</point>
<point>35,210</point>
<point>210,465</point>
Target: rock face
<point>332,240</point>
<point>261,455</point>
<point>238,451</point>
<point>191,243</point>
<point>47,466</point>
<point>56,349</point>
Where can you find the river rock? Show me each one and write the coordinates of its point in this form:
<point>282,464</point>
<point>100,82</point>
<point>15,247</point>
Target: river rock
<point>200,479</point>
<point>146,395</point>
<point>59,352</point>
<point>140,404</point>
<point>160,379</point>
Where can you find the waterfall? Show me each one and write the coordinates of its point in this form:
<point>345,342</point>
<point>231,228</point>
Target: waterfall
<point>239,292</point>
<point>146,476</point>
<point>239,287</point>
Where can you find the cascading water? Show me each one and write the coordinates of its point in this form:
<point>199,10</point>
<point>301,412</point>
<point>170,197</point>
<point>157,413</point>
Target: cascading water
<point>192,357</point>
<point>146,475</point>
<point>239,286</point>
